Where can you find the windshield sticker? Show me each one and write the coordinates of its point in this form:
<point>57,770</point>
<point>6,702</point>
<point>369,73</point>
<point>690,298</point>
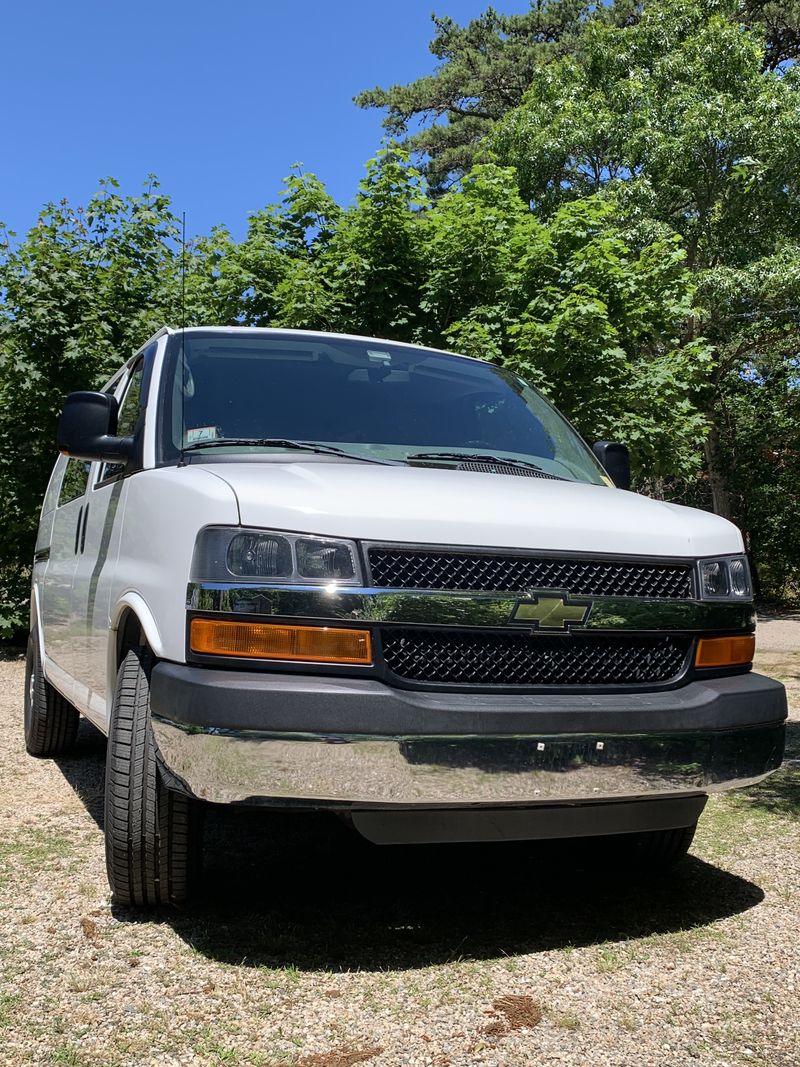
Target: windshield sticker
<point>203,433</point>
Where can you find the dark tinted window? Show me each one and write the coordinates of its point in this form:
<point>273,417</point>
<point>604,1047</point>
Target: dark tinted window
<point>369,397</point>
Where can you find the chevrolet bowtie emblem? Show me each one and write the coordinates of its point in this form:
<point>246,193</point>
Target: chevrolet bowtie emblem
<point>550,612</point>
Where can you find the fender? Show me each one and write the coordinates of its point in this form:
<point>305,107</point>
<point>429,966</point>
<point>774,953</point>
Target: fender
<point>137,604</point>
<point>36,620</point>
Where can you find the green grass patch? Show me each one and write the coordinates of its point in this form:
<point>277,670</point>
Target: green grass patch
<point>8,1007</point>
<point>68,1056</point>
<point>36,848</point>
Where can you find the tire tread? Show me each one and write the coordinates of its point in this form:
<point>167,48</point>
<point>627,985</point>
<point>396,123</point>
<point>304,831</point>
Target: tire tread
<point>51,722</point>
<point>147,825</point>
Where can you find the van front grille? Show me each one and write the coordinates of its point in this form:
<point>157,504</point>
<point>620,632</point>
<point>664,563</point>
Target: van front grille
<point>457,657</point>
<point>440,569</point>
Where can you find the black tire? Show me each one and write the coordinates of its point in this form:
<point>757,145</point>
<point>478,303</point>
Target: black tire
<point>656,850</point>
<point>152,833</point>
<point>51,722</point>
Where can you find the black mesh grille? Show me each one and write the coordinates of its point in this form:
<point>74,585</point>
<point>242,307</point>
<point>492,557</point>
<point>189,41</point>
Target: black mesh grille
<point>461,658</point>
<point>398,568</point>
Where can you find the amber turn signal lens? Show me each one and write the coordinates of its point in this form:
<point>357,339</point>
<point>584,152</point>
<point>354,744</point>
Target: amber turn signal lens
<point>725,651</point>
<point>260,640</point>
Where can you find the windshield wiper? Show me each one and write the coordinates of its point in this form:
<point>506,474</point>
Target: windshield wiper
<point>469,457</point>
<point>282,442</point>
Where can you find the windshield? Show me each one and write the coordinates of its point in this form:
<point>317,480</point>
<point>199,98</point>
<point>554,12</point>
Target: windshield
<point>369,399</point>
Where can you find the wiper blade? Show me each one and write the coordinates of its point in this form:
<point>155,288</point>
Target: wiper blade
<point>468,457</point>
<point>282,442</point>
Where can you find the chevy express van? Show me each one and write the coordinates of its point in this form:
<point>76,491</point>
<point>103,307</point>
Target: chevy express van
<point>286,568</point>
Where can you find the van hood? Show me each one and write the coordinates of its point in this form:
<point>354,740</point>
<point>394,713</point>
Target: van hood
<point>422,505</point>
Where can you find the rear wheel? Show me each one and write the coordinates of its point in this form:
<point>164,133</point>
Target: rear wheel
<point>51,722</point>
<point>152,833</point>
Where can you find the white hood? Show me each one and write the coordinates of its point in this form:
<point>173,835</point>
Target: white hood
<point>449,507</point>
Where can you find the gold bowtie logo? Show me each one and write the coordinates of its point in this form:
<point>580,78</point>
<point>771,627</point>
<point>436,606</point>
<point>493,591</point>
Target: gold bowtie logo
<point>551,612</point>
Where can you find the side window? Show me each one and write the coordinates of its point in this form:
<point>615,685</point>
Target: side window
<point>76,477</point>
<point>131,405</point>
<point>130,410</point>
<point>50,502</point>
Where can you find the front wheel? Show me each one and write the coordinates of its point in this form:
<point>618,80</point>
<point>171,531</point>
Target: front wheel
<point>51,722</point>
<point>152,833</point>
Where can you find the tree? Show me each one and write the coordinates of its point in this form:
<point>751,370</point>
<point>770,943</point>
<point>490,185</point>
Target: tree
<point>680,117</point>
<point>364,274</point>
<point>80,293</point>
<point>485,68</point>
<point>579,305</point>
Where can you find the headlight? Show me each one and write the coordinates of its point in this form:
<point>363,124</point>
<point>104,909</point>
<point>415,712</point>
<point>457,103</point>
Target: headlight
<point>725,578</point>
<point>227,554</point>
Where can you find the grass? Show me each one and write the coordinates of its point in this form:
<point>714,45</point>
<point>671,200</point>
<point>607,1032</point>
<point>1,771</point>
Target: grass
<point>8,1004</point>
<point>567,1020</point>
<point>68,1056</point>
<point>609,960</point>
<point>36,848</point>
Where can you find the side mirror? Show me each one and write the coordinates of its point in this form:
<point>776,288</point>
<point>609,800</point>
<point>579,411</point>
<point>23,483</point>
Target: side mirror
<point>87,429</point>
<point>616,462</point>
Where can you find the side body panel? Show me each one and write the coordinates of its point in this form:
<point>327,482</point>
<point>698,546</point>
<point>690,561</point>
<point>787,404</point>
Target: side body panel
<point>42,598</point>
<point>61,627</point>
<point>91,593</point>
<point>163,511</point>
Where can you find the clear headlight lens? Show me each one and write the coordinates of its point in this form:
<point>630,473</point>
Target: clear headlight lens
<point>725,578</point>
<point>260,555</point>
<point>325,560</point>
<point>225,553</point>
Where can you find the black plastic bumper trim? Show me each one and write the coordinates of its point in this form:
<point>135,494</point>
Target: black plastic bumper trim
<point>193,696</point>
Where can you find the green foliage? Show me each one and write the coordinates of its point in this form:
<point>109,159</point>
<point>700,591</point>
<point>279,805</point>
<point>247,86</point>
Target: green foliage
<point>485,68</point>
<point>753,313</point>
<point>578,306</point>
<point>680,102</point>
<point>79,295</point>
<point>625,233</point>
<point>685,119</point>
<point>364,275</point>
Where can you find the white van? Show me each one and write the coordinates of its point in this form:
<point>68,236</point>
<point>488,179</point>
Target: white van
<point>286,568</point>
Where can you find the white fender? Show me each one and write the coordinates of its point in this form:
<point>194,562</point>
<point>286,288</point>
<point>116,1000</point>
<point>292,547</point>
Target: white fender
<point>138,606</point>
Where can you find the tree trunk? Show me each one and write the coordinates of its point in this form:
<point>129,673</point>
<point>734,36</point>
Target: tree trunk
<point>720,496</point>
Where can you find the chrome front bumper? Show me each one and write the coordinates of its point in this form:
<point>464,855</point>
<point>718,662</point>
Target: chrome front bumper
<point>287,739</point>
<point>351,770</point>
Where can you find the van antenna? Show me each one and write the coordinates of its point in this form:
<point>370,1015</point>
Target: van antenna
<point>182,379</point>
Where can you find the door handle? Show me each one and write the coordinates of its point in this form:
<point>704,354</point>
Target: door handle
<point>78,529</point>
<point>85,524</point>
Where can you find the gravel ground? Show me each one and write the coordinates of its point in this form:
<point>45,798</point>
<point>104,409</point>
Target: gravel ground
<point>779,632</point>
<point>311,949</point>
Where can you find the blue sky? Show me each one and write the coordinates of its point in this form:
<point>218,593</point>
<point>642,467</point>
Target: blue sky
<point>217,99</point>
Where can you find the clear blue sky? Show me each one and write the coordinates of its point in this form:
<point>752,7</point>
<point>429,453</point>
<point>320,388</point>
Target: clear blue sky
<point>217,99</point>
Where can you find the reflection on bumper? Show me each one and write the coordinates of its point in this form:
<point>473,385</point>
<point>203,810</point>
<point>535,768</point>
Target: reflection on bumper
<point>249,766</point>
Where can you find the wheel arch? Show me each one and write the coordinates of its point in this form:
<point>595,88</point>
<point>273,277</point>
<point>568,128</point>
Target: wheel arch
<point>36,622</point>
<point>132,624</point>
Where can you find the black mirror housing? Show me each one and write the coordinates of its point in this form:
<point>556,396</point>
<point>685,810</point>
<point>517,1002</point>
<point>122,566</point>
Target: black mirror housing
<point>616,462</point>
<point>88,426</point>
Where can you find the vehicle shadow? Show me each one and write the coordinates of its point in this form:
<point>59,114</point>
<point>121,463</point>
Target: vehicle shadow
<point>85,768</point>
<point>301,890</point>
